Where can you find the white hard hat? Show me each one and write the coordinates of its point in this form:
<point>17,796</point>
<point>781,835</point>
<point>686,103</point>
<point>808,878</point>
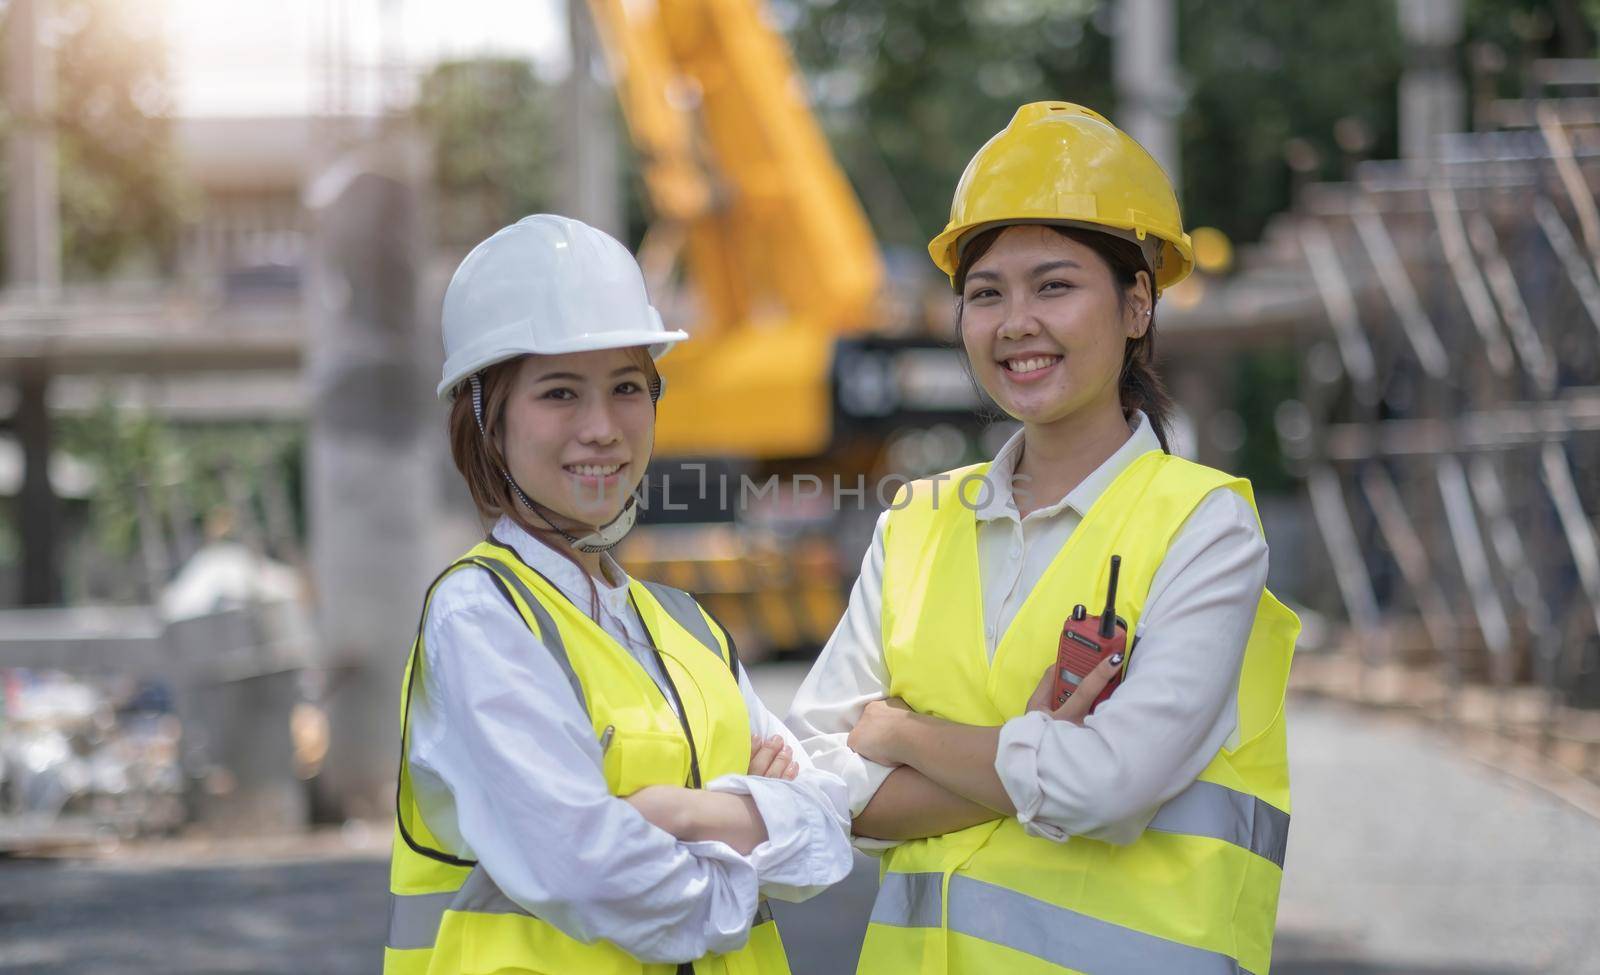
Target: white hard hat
<point>546,285</point>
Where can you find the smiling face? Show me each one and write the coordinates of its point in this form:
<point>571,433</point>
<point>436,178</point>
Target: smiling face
<point>1046,326</point>
<point>578,432</point>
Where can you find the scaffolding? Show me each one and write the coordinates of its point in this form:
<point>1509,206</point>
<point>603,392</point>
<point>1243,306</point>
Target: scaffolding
<point>1449,421</point>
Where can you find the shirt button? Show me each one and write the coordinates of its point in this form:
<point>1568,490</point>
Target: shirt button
<point>1016,550</point>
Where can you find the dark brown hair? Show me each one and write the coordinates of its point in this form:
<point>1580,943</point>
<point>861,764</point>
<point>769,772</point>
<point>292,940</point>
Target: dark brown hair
<point>1139,387</point>
<point>480,458</point>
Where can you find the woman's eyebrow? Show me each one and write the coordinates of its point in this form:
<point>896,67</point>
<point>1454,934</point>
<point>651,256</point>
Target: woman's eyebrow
<point>1044,268</point>
<point>574,377</point>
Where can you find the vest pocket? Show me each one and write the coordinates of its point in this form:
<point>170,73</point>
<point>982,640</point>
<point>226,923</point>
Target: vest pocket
<point>635,759</point>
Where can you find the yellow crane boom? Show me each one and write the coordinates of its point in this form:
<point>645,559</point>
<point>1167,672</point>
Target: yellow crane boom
<point>778,256</point>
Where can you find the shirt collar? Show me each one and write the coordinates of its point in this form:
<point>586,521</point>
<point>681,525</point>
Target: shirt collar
<point>1000,502</point>
<point>565,574</point>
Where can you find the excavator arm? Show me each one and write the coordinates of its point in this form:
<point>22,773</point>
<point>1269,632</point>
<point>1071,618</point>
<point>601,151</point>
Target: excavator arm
<point>777,256</point>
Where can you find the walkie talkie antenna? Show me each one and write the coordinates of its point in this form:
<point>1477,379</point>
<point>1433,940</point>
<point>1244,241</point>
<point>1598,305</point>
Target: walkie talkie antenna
<point>1108,619</point>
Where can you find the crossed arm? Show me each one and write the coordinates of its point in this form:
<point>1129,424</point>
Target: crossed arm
<point>945,779</point>
<point>700,814</point>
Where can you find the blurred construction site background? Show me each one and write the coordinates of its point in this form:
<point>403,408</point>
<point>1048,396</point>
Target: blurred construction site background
<point>224,481</point>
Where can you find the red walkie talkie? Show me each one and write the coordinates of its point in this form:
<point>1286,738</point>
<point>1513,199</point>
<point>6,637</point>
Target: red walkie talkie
<point>1086,641</point>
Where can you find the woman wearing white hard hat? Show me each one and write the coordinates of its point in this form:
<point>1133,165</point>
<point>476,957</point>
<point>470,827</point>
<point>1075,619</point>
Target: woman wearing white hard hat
<point>588,782</point>
<point>1019,831</point>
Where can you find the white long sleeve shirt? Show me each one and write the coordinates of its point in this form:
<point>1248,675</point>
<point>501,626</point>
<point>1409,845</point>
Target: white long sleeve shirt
<point>1107,778</point>
<point>506,771</point>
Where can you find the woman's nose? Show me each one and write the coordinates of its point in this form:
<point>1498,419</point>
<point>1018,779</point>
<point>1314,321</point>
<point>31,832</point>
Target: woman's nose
<point>597,425</point>
<point>1018,323</point>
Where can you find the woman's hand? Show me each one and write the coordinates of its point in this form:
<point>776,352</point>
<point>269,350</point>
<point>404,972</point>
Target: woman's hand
<point>772,758</point>
<point>1081,698</point>
<point>876,736</point>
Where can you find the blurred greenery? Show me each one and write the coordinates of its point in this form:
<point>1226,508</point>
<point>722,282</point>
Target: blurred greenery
<point>909,89</point>
<point>492,123</point>
<point>121,190</point>
<point>1262,380</point>
<point>1263,73</point>
<point>187,472</point>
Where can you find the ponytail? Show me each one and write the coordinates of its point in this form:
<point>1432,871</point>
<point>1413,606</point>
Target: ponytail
<point>1140,386</point>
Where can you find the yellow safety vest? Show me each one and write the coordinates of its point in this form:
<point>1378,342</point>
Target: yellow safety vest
<point>1198,891</point>
<point>446,915</point>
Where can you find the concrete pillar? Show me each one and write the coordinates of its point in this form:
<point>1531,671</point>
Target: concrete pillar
<point>371,465</point>
<point>1149,90</point>
<point>1433,98</point>
<point>33,221</point>
<point>590,186</point>
<point>33,272</point>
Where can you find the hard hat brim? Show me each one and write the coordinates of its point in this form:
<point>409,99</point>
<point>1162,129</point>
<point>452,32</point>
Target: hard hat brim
<point>945,249</point>
<point>476,360</point>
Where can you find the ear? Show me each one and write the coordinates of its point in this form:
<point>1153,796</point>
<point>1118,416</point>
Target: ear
<point>1140,306</point>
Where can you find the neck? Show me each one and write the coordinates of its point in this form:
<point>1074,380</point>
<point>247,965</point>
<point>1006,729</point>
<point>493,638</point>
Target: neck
<point>592,563</point>
<point>1057,456</point>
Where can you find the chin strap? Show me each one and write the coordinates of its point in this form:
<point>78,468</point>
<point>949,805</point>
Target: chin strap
<point>602,539</point>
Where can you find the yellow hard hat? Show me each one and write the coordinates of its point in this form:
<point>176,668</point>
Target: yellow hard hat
<point>1062,163</point>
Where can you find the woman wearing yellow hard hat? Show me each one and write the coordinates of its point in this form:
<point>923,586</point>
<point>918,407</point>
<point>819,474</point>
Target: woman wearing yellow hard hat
<point>588,783</point>
<point>1059,777</point>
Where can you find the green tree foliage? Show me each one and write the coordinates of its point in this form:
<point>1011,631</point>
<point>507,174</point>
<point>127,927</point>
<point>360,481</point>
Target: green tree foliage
<point>120,189</point>
<point>187,473</point>
<point>492,125</point>
<point>921,83</point>
<point>1261,74</point>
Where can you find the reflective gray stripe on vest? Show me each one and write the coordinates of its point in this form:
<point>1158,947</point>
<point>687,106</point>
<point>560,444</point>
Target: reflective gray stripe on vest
<point>1034,927</point>
<point>1216,811</point>
<point>682,608</point>
<point>548,634</point>
<point>481,895</point>
<point>909,900</point>
<point>1069,939</point>
<point>414,919</point>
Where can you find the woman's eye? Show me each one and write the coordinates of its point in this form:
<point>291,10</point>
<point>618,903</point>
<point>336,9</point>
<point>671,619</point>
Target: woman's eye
<point>982,293</point>
<point>1054,285</point>
<point>559,393</point>
<point>630,387</point>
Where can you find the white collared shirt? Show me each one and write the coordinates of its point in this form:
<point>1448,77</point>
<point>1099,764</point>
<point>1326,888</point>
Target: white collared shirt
<point>506,771</point>
<point>1104,779</point>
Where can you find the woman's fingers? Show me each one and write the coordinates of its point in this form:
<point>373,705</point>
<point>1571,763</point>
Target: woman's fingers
<point>1039,700</point>
<point>763,752</point>
<point>770,757</point>
<point>1081,698</point>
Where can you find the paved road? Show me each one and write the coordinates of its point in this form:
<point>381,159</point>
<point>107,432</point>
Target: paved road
<point>1406,857</point>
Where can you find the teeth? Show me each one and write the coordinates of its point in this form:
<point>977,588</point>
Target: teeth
<point>1029,365</point>
<point>590,470</point>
